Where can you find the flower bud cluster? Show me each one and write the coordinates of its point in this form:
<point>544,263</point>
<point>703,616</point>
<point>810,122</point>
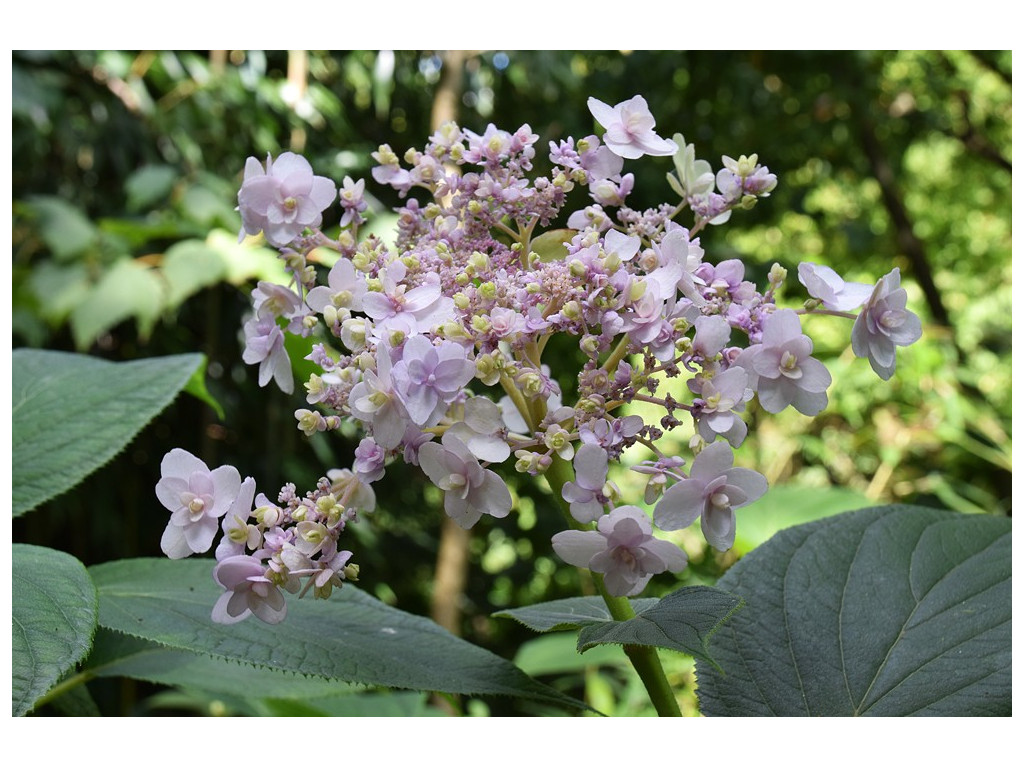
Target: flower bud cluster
<point>265,547</point>
<point>436,347</point>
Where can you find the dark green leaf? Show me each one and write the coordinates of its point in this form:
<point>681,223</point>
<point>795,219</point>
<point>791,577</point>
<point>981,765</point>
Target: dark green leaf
<point>685,621</point>
<point>570,613</point>
<point>53,617</point>
<point>351,637</point>
<point>118,655</point>
<point>76,702</point>
<point>885,611</point>
<point>57,446</point>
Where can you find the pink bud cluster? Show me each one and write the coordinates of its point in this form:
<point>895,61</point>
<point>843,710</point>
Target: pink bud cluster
<point>436,346</point>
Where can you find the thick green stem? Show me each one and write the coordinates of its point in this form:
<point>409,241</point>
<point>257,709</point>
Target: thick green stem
<point>643,658</point>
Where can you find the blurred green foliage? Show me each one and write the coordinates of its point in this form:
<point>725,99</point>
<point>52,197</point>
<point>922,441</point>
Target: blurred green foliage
<point>126,164</point>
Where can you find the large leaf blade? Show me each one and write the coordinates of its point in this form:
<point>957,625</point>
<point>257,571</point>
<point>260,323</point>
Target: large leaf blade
<point>112,403</point>
<point>53,617</point>
<point>351,637</point>
<point>886,611</point>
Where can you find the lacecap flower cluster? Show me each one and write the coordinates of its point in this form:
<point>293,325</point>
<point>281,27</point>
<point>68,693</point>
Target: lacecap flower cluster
<point>436,348</point>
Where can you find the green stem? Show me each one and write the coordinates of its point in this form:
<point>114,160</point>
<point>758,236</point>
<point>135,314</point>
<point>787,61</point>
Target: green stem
<point>617,354</point>
<point>643,658</point>
<point>62,687</point>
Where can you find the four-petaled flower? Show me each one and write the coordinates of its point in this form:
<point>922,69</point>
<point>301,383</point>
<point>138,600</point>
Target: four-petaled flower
<point>630,128</point>
<point>711,492</point>
<point>282,200</point>
<point>623,548</point>
<point>197,498</point>
<point>249,592</point>
<point>883,324</point>
<point>470,491</point>
<point>783,369</point>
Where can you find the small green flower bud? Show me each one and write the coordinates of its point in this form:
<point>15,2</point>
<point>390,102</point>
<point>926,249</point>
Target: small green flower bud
<point>488,291</point>
<point>577,268</point>
<point>461,300</point>
<point>479,261</point>
<point>777,274</point>
<point>481,324</point>
<point>572,310</point>
<point>345,240</point>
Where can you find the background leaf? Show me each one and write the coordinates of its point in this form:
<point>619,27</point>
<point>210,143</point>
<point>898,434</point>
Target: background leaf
<point>886,611</point>
<point>351,637</point>
<point>53,616</point>
<point>787,505</point>
<point>129,289</point>
<point>149,185</point>
<point>190,266</point>
<point>112,402</point>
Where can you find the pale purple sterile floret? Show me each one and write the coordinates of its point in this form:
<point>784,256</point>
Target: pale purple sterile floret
<point>422,306</point>
<point>586,495</point>
<point>719,401</point>
<point>630,128</point>
<point>782,370</point>
<point>428,378</point>
<point>282,200</point>
<point>470,491</point>
<point>623,548</point>
<point>249,592</point>
<point>713,489</point>
<point>825,284</point>
<point>482,430</point>
<point>375,401</point>
<point>885,323</point>
<point>197,498</point>
<point>369,460</point>
<point>264,344</point>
